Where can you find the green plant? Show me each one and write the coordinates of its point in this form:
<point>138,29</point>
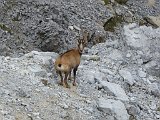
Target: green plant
<point>5,28</point>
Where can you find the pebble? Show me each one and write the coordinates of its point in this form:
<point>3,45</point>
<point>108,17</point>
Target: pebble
<point>142,74</point>
<point>71,27</point>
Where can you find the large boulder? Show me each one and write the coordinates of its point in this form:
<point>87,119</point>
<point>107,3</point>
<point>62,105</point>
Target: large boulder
<point>147,41</point>
<point>113,107</point>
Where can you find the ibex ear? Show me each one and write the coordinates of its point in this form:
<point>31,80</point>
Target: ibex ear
<point>79,41</point>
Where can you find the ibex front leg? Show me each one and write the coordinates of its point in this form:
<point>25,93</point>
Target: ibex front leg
<point>65,80</point>
<point>70,78</point>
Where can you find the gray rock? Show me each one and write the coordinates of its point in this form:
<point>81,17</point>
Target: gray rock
<point>142,74</point>
<point>135,40</point>
<point>115,89</point>
<point>133,111</point>
<point>93,76</point>
<point>44,57</point>
<point>158,116</point>
<point>38,70</point>
<point>154,20</point>
<point>128,55</point>
<point>116,55</point>
<point>136,37</point>
<point>77,28</point>
<point>153,87</point>
<point>127,76</point>
<point>153,68</point>
<point>90,77</point>
<point>71,27</point>
<point>21,93</point>
<point>113,107</point>
<point>91,57</point>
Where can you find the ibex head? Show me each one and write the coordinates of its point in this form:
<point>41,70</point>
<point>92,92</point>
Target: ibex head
<point>83,42</point>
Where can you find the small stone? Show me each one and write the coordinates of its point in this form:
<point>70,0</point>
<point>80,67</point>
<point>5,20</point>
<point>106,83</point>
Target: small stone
<point>142,74</point>
<point>64,115</point>
<point>88,101</point>
<point>158,116</point>
<point>128,55</point>
<point>83,95</point>
<point>132,110</point>
<point>64,106</point>
<point>21,93</point>
<point>71,27</point>
<point>107,71</point>
<point>49,74</point>
<point>127,76</point>
<point>153,106</point>
<point>91,57</point>
<point>7,58</point>
<point>35,113</point>
<point>77,28</point>
<point>154,89</point>
<point>89,109</point>
<point>140,61</point>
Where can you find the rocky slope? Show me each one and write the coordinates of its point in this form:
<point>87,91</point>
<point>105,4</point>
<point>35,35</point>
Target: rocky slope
<point>117,80</point>
<point>48,25</point>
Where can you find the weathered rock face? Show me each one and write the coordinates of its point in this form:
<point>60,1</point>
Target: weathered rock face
<point>154,20</point>
<point>113,107</point>
<point>46,25</point>
<point>145,7</point>
<point>131,59</point>
<point>147,40</point>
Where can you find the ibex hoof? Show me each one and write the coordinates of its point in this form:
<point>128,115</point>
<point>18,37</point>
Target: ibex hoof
<point>66,86</point>
<point>69,78</point>
<point>60,83</point>
<point>74,84</point>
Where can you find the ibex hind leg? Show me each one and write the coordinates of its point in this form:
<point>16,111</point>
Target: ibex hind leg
<point>60,74</point>
<point>70,78</point>
<point>74,72</point>
<point>65,80</point>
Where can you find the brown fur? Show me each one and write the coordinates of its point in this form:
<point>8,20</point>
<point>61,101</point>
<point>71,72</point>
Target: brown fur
<point>69,61</point>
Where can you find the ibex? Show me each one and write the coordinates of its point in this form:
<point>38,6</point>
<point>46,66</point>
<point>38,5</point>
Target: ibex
<point>70,60</point>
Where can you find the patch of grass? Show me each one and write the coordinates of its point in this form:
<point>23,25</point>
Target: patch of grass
<point>121,1</point>
<point>106,1</point>
<point>112,22</point>
<point>5,28</point>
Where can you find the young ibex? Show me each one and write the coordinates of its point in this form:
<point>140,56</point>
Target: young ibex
<point>70,60</point>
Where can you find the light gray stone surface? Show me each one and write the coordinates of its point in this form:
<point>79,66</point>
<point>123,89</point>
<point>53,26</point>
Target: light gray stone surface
<point>113,107</point>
